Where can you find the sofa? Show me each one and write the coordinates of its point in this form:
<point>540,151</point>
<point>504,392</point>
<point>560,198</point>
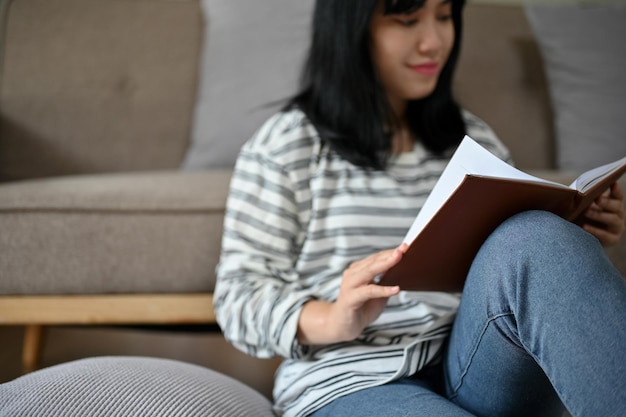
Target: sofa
<point>120,121</point>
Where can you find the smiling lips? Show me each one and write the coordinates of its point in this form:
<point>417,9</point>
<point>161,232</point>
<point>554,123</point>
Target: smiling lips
<point>429,68</point>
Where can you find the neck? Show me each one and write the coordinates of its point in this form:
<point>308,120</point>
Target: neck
<point>398,107</point>
<point>402,141</point>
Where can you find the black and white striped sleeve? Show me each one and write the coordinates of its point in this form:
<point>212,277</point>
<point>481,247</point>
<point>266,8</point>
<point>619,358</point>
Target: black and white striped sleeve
<point>258,296</point>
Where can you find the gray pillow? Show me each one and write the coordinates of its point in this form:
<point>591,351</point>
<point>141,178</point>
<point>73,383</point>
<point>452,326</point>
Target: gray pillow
<point>252,56</point>
<point>584,53</point>
<point>129,387</point>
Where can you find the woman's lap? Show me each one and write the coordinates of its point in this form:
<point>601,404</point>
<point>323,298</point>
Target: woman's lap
<point>405,397</point>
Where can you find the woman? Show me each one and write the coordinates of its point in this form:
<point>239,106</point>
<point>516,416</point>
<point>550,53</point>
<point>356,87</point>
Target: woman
<point>326,187</point>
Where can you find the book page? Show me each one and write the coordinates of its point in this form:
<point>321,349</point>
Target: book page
<point>470,158</point>
<point>587,179</point>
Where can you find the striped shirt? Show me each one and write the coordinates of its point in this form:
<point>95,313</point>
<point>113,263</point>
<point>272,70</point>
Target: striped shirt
<point>297,216</point>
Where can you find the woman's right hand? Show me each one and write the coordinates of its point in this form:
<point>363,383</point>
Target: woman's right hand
<point>359,303</point>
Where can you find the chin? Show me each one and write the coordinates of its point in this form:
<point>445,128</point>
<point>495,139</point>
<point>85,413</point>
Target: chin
<point>421,92</point>
<point>420,95</point>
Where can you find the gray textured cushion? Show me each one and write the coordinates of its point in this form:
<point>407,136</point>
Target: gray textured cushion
<point>118,233</point>
<point>583,49</point>
<point>252,54</point>
<point>130,386</point>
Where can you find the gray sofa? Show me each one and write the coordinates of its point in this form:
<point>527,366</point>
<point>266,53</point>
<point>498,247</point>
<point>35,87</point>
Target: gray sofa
<point>120,121</point>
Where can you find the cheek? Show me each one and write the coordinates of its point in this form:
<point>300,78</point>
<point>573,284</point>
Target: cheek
<point>388,54</point>
<point>389,44</point>
<point>448,40</point>
<point>382,52</point>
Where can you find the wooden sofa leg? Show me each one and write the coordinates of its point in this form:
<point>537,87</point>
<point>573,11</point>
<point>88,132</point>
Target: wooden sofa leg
<point>31,351</point>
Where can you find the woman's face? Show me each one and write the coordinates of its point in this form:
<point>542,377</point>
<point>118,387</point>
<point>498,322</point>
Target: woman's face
<point>410,50</point>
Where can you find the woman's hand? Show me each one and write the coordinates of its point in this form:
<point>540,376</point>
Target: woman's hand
<point>607,216</point>
<point>359,303</point>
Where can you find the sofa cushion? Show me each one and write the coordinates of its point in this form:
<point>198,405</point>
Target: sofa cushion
<point>117,233</point>
<point>585,58</point>
<point>130,386</point>
<point>251,58</point>
<point>500,79</point>
<point>96,86</point>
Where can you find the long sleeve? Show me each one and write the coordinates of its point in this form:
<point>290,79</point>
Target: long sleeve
<point>258,296</point>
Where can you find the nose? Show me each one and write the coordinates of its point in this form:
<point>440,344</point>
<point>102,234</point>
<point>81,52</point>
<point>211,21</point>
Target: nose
<point>430,38</point>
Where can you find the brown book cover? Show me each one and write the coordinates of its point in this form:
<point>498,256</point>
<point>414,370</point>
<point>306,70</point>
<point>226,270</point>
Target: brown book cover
<point>440,255</point>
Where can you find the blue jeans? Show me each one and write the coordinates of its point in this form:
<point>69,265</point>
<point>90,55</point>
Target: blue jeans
<point>542,325</point>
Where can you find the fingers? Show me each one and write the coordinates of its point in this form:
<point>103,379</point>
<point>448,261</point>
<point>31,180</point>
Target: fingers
<point>611,201</point>
<point>357,285</point>
<point>607,215</point>
<point>373,291</point>
<point>366,270</point>
<point>617,192</point>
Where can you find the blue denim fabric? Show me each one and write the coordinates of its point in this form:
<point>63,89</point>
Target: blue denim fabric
<point>542,324</point>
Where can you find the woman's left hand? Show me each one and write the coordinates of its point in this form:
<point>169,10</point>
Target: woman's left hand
<point>606,215</point>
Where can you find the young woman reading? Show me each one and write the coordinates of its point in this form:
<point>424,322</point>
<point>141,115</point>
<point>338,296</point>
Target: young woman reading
<point>320,200</point>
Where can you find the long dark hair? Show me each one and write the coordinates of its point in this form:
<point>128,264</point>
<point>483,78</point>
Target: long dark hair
<point>341,94</point>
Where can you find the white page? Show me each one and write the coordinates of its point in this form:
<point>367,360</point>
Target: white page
<point>587,179</point>
<point>469,158</point>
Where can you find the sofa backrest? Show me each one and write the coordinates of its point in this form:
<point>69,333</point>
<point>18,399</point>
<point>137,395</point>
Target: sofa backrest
<point>501,78</point>
<point>96,86</point>
<point>110,85</point>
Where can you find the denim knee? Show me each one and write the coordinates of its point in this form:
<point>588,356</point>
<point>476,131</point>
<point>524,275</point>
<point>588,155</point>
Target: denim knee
<point>541,235</point>
<point>537,246</point>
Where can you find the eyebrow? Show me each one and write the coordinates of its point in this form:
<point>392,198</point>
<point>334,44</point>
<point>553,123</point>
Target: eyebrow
<point>402,6</point>
<point>406,6</point>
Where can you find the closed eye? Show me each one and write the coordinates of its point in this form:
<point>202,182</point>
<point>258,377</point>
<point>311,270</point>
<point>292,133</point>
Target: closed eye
<point>407,22</point>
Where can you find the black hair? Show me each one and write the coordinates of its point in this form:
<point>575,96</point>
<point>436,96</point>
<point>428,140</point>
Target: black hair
<point>342,97</point>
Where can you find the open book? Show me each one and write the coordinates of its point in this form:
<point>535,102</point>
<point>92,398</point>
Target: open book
<point>476,192</point>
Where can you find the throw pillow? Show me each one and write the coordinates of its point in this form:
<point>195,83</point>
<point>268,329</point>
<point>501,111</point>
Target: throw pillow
<point>584,54</point>
<point>252,56</point>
